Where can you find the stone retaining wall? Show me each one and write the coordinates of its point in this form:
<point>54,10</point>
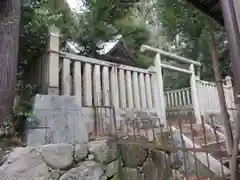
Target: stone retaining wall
<point>97,160</point>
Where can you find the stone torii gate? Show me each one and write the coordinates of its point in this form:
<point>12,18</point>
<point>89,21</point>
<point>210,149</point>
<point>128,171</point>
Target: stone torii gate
<point>159,65</point>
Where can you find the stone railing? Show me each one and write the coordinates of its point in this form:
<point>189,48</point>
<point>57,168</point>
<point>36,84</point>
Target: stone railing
<point>178,98</point>
<point>95,82</point>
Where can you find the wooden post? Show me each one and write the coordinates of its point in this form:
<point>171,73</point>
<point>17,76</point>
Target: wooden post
<point>195,101</point>
<point>52,65</point>
<point>236,4</point>
<point>160,104</point>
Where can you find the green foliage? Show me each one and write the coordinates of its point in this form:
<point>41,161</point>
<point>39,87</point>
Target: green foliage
<point>37,16</point>
<point>102,20</point>
<point>21,111</point>
<point>23,108</point>
<point>180,19</point>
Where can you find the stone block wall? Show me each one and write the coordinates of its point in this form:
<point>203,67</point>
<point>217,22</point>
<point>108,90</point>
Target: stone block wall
<point>97,160</point>
<point>139,163</point>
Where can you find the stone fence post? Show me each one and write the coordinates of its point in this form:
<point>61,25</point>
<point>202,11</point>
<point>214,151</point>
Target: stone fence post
<point>229,93</point>
<point>52,61</point>
<point>160,90</point>
<point>194,94</point>
<point>228,81</point>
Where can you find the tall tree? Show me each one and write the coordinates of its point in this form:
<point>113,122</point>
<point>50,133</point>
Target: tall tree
<point>222,100</point>
<point>10,11</point>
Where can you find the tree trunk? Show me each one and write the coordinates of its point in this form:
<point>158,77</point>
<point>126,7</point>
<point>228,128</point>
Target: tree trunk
<point>222,101</point>
<point>10,11</point>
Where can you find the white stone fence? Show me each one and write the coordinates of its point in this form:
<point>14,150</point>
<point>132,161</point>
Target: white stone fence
<point>178,98</point>
<point>99,83</point>
<point>207,95</point>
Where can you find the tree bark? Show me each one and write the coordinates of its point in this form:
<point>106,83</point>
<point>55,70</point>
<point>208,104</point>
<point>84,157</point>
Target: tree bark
<point>222,101</point>
<point>10,11</point>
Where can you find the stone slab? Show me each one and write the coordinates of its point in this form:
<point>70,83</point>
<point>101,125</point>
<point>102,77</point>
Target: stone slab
<point>59,119</point>
<point>55,120</point>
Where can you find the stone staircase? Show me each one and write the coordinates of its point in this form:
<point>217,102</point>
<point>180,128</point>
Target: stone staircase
<point>203,135</point>
<point>206,137</point>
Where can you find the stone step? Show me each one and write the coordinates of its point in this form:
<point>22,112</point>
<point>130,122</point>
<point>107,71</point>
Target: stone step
<point>187,128</point>
<point>199,140</point>
<point>214,145</point>
<point>196,130</point>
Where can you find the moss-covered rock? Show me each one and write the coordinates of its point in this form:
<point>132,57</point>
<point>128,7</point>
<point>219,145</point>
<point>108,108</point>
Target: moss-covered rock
<point>155,167</point>
<point>133,155</point>
<point>130,174</point>
<point>116,177</point>
<point>112,168</point>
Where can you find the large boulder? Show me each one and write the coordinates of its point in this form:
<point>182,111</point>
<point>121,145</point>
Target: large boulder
<point>57,156</point>
<point>80,151</point>
<point>88,170</point>
<point>62,162</point>
<point>112,168</point>
<point>25,163</point>
<point>130,174</point>
<point>156,167</point>
<point>103,151</point>
<point>133,155</point>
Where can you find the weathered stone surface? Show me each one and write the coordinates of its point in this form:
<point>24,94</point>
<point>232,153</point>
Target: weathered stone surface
<point>57,156</point>
<point>37,137</point>
<point>104,178</point>
<point>153,170</point>
<point>130,174</point>
<point>13,177</point>
<point>80,151</point>
<point>88,170</point>
<point>25,163</point>
<point>90,157</point>
<point>62,118</point>
<point>112,168</point>
<point>179,158</point>
<point>133,155</point>
<point>54,175</point>
<point>2,133</point>
<point>104,151</point>
<point>216,120</point>
<point>55,102</point>
<point>150,172</point>
<point>161,160</point>
<point>116,177</point>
